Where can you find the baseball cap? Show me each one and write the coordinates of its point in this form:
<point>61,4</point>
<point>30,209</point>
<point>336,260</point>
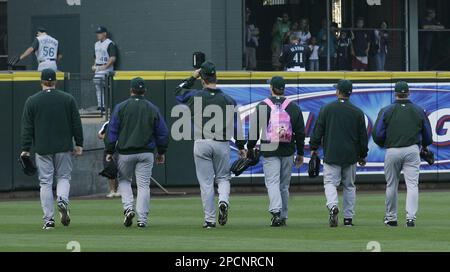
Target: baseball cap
<point>101,29</point>
<point>48,75</point>
<point>41,29</point>
<point>208,69</point>
<point>345,86</point>
<point>401,87</point>
<point>138,83</point>
<point>277,82</point>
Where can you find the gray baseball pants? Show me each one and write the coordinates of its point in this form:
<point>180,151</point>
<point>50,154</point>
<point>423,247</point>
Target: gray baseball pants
<point>333,176</point>
<point>55,166</point>
<point>406,159</point>
<point>212,164</point>
<point>141,165</point>
<point>277,176</point>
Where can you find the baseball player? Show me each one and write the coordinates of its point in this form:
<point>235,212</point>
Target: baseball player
<point>137,130</point>
<point>50,124</point>
<point>294,55</point>
<point>46,49</point>
<point>112,183</point>
<point>211,150</point>
<point>402,128</point>
<point>341,130</point>
<point>279,160</point>
<point>105,57</point>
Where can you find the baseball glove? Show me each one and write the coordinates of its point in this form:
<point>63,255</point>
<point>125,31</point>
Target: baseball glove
<point>427,155</point>
<point>254,155</point>
<point>110,170</point>
<point>239,166</point>
<point>13,61</point>
<point>314,166</point>
<point>27,165</point>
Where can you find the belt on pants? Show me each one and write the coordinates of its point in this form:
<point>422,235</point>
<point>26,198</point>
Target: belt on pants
<point>47,60</point>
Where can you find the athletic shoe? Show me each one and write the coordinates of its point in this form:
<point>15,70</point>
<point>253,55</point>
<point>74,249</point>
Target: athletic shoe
<point>410,223</point>
<point>64,213</point>
<point>117,194</point>
<point>276,220</point>
<point>209,225</point>
<point>49,225</point>
<point>141,225</point>
<point>283,222</point>
<point>389,223</point>
<point>334,217</point>
<point>348,222</point>
<point>129,215</point>
<point>110,195</point>
<point>223,213</point>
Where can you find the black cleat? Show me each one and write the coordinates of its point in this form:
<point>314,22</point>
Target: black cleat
<point>410,223</point>
<point>209,225</point>
<point>49,225</point>
<point>283,222</point>
<point>334,217</point>
<point>141,225</point>
<point>348,222</point>
<point>223,213</point>
<point>64,213</point>
<point>129,215</point>
<point>388,223</point>
<point>276,220</point>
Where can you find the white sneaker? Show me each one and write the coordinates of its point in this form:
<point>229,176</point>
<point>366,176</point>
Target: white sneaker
<point>110,195</point>
<point>117,194</point>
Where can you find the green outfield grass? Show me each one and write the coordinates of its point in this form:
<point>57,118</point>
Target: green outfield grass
<point>175,225</point>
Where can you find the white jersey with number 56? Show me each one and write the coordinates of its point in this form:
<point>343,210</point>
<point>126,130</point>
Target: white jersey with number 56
<point>48,48</point>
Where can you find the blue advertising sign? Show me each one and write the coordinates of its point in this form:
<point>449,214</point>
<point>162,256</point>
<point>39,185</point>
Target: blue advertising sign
<point>370,98</point>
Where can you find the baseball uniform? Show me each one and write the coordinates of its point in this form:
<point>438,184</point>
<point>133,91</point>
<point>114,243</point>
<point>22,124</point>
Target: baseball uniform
<point>136,130</point>
<point>47,50</point>
<point>294,57</point>
<point>50,123</point>
<point>402,128</point>
<point>104,50</point>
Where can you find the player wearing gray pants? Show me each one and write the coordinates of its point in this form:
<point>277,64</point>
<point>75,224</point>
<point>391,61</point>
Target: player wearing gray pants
<point>211,149</point>
<point>141,165</point>
<point>212,164</point>
<point>333,176</point>
<point>137,130</point>
<point>341,130</point>
<point>51,123</point>
<point>402,128</point>
<point>55,166</point>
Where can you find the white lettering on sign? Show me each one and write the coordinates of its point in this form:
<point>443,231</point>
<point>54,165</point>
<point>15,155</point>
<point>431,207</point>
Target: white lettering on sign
<point>73,2</point>
<point>374,2</point>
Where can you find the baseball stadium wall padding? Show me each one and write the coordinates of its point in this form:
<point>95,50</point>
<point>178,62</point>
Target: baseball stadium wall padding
<point>310,90</point>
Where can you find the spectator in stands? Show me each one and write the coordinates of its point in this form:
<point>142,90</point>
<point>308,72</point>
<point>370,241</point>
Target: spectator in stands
<point>380,46</point>
<point>322,37</point>
<point>429,23</point>
<point>343,51</point>
<point>251,43</point>
<point>314,57</point>
<point>281,26</point>
<point>293,31</point>
<point>304,34</point>
<point>360,46</point>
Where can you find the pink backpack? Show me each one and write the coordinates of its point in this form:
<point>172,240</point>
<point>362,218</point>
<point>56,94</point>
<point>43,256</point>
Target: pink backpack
<point>279,128</point>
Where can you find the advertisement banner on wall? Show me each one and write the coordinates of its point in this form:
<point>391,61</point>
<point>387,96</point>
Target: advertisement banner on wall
<point>434,98</point>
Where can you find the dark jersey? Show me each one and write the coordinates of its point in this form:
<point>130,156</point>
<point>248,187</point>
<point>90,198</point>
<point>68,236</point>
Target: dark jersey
<point>294,55</point>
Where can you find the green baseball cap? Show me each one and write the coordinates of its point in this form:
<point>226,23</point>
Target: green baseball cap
<point>138,84</point>
<point>401,87</point>
<point>345,86</point>
<point>48,75</point>
<point>277,82</point>
<point>208,69</point>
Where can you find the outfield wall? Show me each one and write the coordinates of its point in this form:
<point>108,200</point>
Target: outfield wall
<point>373,90</point>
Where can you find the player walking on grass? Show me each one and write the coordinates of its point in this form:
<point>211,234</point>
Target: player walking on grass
<point>402,128</point>
<point>136,130</point>
<point>50,123</point>
<point>341,130</point>
<point>45,47</point>
<point>211,150</point>
<point>286,132</point>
